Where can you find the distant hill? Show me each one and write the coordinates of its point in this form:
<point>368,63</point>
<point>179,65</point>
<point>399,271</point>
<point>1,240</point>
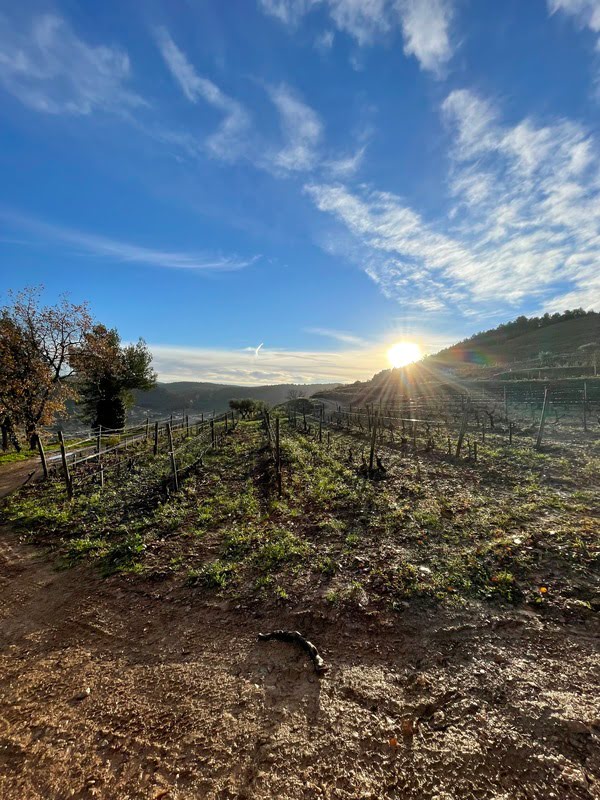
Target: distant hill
<point>525,338</point>
<point>552,347</point>
<point>195,397</point>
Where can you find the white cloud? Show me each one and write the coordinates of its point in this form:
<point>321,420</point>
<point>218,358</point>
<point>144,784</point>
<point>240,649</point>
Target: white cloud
<point>229,138</point>
<point>126,252</point>
<point>425,24</point>
<point>272,365</point>
<point>426,31</point>
<point>300,125</point>
<point>358,360</point>
<point>290,12</point>
<point>50,69</point>
<point>525,223</point>
<point>302,130</point>
<point>362,19</point>
<point>324,41</point>
<point>346,165</point>
<point>586,12</point>
<point>339,336</point>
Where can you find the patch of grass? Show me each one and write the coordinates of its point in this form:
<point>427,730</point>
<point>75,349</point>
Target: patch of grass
<point>503,584</point>
<point>87,546</point>
<point>12,457</point>
<point>124,556</point>
<point>327,566</point>
<point>280,548</point>
<point>333,596</point>
<point>214,575</point>
<point>238,542</point>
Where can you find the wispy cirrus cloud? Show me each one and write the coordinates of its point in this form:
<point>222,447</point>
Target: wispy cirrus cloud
<point>324,41</point>
<point>126,252</point>
<point>48,68</point>
<point>523,220</point>
<point>536,216</point>
<point>344,166</point>
<point>586,12</point>
<point>228,140</point>
<point>357,360</point>
<point>290,12</point>
<point>301,126</point>
<point>425,24</point>
<point>426,30</point>
<point>340,336</point>
<point>302,132</point>
<point>271,365</point>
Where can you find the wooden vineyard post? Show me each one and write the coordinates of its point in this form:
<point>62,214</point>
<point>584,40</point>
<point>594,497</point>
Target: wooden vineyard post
<point>538,442</point>
<point>99,440</point>
<point>483,430</point>
<point>187,425</point>
<point>277,457</point>
<point>172,456</point>
<point>147,428</point>
<point>372,450</point>
<point>505,404</point>
<point>155,448</point>
<point>63,455</point>
<point>212,433</point>
<point>585,406</point>
<point>101,468</point>
<point>463,425</point>
<point>42,456</point>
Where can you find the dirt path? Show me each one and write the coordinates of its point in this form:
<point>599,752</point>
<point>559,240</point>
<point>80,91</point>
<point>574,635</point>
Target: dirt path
<point>184,702</point>
<point>13,476</point>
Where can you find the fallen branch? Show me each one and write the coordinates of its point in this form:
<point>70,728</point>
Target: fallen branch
<point>294,637</point>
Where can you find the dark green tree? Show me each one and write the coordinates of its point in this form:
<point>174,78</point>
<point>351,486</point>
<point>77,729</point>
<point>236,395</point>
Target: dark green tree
<point>247,407</point>
<point>107,372</point>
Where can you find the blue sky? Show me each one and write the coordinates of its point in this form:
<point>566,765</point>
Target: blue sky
<point>319,177</point>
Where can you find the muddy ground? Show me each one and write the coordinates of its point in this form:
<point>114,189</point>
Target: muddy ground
<point>184,702</point>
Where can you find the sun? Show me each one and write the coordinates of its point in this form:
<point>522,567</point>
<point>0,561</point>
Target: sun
<point>403,353</point>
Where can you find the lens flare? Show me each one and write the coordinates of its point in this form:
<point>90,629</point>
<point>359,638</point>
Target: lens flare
<point>403,353</point>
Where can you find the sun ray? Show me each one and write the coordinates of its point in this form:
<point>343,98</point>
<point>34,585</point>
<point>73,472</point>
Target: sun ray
<point>401,354</point>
